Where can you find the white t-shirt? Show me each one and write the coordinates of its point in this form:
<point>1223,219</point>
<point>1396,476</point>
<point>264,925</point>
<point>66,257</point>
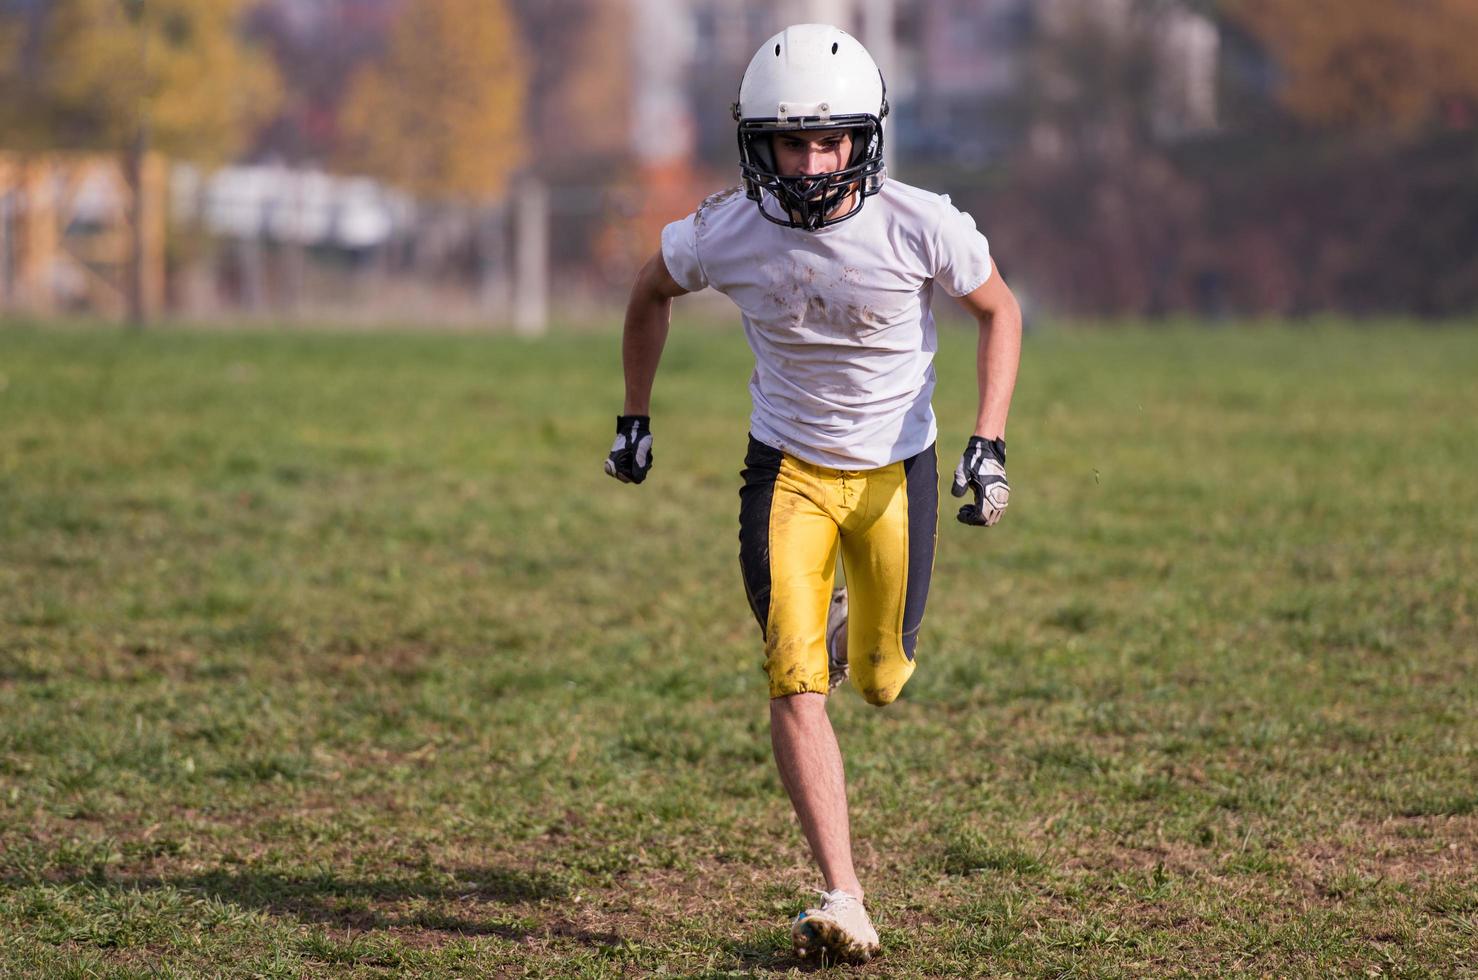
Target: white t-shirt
<point>838,318</point>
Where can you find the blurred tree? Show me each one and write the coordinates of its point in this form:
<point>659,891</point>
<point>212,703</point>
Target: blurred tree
<point>1089,79</point>
<point>579,88</point>
<point>441,113</point>
<point>1095,182</point>
<point>1363,63</point>
<point>127,77</point>
<point>317,47</point>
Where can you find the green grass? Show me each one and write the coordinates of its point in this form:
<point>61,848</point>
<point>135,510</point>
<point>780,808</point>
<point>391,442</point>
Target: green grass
<point>329,654</point>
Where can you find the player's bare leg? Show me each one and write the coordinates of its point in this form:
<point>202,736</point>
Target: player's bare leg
<point>810,764</point>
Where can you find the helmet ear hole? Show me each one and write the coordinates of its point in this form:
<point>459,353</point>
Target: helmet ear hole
<point>777,50</point>
<point>833,47</point>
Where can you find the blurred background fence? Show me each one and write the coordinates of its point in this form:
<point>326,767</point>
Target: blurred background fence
<point>491,162</point>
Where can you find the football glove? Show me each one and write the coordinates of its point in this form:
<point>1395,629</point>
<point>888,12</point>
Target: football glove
<point>983,469</point>
<point>631,453</point>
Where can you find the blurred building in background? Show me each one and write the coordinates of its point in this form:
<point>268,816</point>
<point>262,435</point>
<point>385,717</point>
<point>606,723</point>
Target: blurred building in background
<point>491,161</point>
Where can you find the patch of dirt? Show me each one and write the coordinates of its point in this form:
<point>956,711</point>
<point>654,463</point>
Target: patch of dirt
<point>1398,849</point>
<point>1176,857</point>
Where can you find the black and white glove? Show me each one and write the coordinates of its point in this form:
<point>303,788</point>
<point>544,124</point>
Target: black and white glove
<point>983,469</point>
<point>631,453</point>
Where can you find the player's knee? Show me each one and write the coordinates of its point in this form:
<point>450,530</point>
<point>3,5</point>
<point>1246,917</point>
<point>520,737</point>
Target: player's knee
<point>883,681</point>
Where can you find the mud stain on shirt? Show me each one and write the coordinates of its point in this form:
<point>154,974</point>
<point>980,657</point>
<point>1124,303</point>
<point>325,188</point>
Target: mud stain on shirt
<point>713,201</point>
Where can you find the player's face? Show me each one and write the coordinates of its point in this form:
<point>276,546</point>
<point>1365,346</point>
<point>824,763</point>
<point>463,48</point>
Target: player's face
<point>816,151</point>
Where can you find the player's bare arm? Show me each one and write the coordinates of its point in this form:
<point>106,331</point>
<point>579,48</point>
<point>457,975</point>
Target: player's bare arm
<point>982,466</point>
<point>648,315</point>
<point>998,352</point>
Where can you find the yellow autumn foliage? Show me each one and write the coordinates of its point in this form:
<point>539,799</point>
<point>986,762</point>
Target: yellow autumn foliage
<point>1368,62</point>
<point>105,68</point>
<point>441,113</point>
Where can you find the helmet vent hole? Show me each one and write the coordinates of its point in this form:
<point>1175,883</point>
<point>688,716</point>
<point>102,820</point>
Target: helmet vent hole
<point>833,47</point>
<point>777,50</point>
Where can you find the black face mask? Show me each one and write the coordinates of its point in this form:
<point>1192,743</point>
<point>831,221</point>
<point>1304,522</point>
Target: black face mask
<point>811,201</point>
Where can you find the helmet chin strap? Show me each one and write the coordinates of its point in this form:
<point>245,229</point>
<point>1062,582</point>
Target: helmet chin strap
<point>829,205</point>
<point>819,198</point>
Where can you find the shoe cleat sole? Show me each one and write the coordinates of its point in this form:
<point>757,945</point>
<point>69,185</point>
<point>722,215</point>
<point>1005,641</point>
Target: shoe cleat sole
<point>827,940</point>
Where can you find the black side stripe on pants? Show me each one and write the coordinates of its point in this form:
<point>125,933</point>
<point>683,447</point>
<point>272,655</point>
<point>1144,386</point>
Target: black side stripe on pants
<point>761,469</point>
<point>921,483</point>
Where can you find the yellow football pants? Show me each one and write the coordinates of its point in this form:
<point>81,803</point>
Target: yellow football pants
<point>794,516</point>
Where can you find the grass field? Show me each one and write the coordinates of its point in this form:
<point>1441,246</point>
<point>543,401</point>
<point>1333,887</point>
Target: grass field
<point>328,654</point>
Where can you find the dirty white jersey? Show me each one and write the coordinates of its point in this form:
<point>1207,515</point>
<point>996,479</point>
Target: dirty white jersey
<point>839,318</point>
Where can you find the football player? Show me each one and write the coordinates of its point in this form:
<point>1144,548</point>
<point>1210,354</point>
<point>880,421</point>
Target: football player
<point>834,266</point>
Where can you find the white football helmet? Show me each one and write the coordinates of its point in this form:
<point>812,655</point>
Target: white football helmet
<point>811,76</point>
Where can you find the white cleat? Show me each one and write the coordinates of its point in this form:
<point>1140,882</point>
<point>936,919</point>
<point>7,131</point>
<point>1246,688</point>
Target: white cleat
<point>836,634</point>
<point>839,930</point>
